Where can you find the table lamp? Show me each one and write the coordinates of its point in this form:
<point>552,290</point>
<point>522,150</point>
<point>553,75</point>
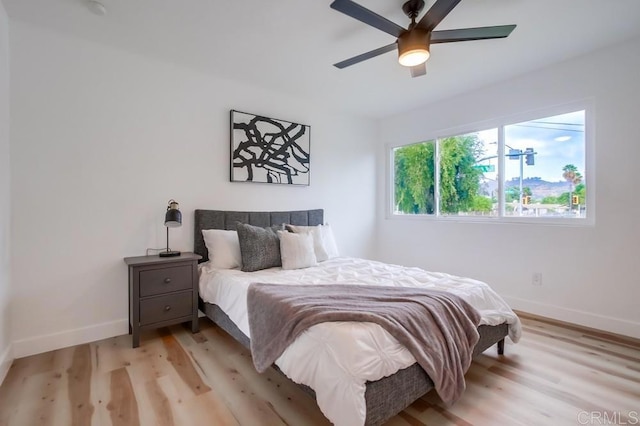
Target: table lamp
<point>172,219</point>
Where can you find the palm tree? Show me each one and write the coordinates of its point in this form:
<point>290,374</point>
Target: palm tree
<point>577,180</point>
<point>571,174</point>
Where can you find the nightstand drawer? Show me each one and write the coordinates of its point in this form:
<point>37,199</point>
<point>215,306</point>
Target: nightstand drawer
<point>165,280</point>
<point>165,308</point>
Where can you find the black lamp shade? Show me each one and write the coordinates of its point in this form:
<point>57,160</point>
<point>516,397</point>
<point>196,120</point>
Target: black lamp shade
<point>173,218</point>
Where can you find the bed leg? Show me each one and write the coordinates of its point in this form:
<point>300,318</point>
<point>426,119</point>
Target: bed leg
<point>501,347</point>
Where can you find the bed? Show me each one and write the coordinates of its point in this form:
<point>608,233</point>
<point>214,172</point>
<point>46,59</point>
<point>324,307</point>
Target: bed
<point>384,397</point>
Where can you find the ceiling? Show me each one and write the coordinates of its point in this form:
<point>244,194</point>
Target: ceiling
<point>290,45</point>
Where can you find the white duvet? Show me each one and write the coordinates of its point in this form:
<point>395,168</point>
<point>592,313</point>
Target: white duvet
<point>336,359</point>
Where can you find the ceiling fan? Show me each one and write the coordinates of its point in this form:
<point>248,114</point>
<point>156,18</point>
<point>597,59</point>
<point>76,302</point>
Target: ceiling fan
<point>414,42</point>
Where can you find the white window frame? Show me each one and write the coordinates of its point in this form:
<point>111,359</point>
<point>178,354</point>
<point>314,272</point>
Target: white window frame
<point>590,168</point>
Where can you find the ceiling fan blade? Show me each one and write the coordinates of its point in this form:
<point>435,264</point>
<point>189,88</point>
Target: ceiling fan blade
<point>363,14</point>
<point>419,70</point>
<point>467,34</point>
<point>437,13</point>
<point>363,57</point>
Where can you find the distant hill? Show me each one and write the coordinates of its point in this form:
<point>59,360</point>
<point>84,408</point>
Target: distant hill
<point>539,188</point>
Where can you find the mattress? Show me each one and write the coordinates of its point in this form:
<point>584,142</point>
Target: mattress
<point>337,359</point>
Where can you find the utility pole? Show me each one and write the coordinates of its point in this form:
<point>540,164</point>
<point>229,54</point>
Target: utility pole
<point>514,154</point>
<point>521,189</point>
<point>520,154</point>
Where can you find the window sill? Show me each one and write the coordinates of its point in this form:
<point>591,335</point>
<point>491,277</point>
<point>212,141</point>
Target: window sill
<point>538,221</point>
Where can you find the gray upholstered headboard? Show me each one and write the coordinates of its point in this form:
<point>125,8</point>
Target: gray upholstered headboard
<point>221,219</point>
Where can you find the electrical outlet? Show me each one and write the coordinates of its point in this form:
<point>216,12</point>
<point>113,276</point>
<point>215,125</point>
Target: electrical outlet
<point>536,278</point>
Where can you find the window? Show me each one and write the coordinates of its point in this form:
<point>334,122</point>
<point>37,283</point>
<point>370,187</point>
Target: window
<point>525,170</point>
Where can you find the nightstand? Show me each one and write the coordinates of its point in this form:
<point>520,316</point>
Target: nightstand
<point>162,291</point>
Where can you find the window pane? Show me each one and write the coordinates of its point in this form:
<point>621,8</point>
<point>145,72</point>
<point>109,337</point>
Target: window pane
<point>414,178</point>
<point>545,167</point>
<point>468,174</point>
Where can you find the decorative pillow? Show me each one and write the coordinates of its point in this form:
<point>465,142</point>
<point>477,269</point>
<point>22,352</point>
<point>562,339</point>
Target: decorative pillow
<point>316,233</point>
<point>329,241</point>
<point>259,247</point>
<point>223,247</point>
<point>296,250</point>
<point>324,242</point>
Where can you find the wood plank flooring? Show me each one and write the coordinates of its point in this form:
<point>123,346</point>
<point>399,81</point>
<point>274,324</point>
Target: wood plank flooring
<point>557,375</point>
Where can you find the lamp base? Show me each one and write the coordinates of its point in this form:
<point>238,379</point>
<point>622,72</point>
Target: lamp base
<point>169,253</point>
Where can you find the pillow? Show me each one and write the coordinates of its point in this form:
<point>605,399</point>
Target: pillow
<point>316,233</point>
<point>296,250</point>
<point>329,241</point>
<point>324,242</point>
<point>223,247</point>
<point>259,247</point>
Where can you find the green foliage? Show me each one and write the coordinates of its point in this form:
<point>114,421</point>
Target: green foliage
<point>459,181</point>
<point>581,191</point>
<point>512,193</point>
<point>563,198</point>
<point>414,178</point>
<point>481,204</point>
<point>550,200</point>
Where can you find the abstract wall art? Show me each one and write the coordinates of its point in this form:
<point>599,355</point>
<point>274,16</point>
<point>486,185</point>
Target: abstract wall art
<point>269,150</point>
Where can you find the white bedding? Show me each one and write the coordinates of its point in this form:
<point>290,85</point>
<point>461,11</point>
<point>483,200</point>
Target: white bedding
<point>336,359</point>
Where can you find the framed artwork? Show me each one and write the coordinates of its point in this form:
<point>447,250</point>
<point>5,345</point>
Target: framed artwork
<point>269,150</point>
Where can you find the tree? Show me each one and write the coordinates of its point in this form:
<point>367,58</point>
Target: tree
<point>481,204</point>
<point>581,191</point>
<point>414,178</point>
<point>414,167</point>
<point>512,193</point>
<point>550,199</point>
<point>571,174</point>
<point>459,180</point>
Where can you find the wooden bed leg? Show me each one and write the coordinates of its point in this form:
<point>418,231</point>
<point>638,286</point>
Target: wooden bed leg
<point>501,347</point>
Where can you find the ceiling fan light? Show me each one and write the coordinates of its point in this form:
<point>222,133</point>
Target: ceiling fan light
<point>413,57</point>
<point>413,48</point>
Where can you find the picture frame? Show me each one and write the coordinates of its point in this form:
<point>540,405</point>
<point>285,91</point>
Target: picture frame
<point>269,150</point>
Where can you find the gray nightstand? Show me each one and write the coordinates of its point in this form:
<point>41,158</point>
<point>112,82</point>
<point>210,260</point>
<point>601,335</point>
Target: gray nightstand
<point>162,291</point>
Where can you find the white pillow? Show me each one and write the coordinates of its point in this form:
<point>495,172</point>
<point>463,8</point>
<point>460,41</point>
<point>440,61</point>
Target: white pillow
<point>324,243</point>
<point>316,233</point>
<point>329,241</point>
<point>296,250</point>
<point>223,247</point>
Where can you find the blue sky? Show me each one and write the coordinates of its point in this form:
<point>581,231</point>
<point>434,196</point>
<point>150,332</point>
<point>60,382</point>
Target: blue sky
<point>557,140</point>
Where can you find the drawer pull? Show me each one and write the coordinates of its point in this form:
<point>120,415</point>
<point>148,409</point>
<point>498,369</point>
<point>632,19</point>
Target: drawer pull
<point>167,280</point>
<point>167,308</point>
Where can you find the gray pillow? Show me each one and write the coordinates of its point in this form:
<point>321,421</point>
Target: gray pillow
<point>259,247</point>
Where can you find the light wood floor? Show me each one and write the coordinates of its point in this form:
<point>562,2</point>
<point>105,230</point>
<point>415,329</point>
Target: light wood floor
<point>556,375</point>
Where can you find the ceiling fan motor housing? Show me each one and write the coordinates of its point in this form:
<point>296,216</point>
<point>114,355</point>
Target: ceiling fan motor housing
<point>411,42</point>
<point>412,8</point>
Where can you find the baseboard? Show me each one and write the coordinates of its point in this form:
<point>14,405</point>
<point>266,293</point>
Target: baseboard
<point>63,339</point>
<point>574,316</point>
<point>6,358</point>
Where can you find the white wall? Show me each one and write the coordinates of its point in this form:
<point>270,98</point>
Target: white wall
<point>5,282</point>
<point>102,139</point>
<point>590,274</point>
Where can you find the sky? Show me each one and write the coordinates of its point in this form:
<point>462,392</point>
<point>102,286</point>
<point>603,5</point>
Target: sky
<point>557,141</point>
